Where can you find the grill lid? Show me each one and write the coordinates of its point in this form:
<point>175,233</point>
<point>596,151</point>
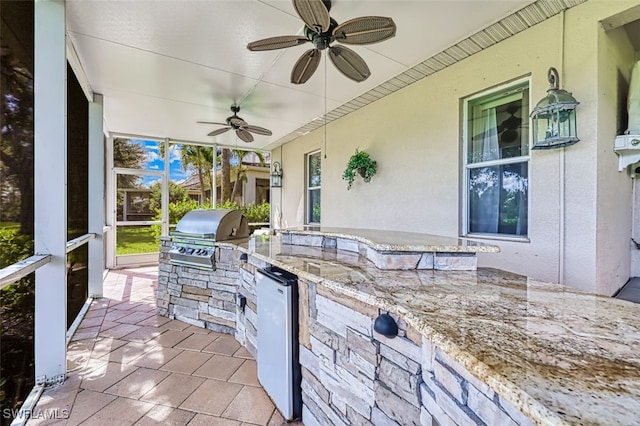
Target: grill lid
<point>215,224</point>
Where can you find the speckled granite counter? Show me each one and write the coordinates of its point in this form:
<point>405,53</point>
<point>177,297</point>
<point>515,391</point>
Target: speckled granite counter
<point>394,249</point>
<point>397,241</point>
<point>557,355</point>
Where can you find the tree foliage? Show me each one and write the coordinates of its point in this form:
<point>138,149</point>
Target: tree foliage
<point>198,160</point>
<point>130,156</point>
<point>176,194</point>
<point>16,142</point>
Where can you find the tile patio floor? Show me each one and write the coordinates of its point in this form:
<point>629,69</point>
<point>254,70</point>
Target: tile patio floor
<point>128,366</point>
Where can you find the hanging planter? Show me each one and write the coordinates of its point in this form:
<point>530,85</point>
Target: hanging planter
<point>361,164</point>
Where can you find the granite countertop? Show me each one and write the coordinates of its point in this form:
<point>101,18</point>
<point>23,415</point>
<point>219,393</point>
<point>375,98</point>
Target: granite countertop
<point>397,240</point>
<point>559,355</point>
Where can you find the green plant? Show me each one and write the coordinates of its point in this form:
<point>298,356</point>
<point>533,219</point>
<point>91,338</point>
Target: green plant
<point>15,247</point>
<point>361,164</point>
<point>177,209</point>
<point>257,213</point>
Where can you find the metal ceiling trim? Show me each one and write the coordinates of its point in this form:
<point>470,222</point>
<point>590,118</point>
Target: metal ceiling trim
<point>343,111</point>
<point>483,39</point>
<point>398,83</point>
<point>457,53</point>
<point>498,32</point>
<point>531,15</point>
<point>446,59</point>
<point>411,72</point>
<point>510,25</point>
<point>515,23</point>
<point>357,103</point>
<point>550,7</point>
<point>370,96</point>
<point>348,108</point>
<point>469,46</point>
<point>435,63</point>
<point>381,91</point>
<point>424,69</point>
<point>389,84</point>
<point>406,78</point>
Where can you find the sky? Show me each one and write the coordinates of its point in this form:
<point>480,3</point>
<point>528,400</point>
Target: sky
<point>155,163</point>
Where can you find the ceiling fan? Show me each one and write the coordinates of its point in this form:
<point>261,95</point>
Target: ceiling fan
<point>322,30</point>
<point>243,130</point>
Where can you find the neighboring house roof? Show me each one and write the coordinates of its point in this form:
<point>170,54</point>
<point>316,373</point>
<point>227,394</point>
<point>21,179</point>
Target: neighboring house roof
<point>193,182</point>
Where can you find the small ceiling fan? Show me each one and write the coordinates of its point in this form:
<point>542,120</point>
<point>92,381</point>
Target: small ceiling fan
<point>243,130</point>
<point>322,30</point>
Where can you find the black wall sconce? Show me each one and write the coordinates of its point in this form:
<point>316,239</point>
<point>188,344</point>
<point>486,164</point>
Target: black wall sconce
<point>276,175</point>
<point>386,325</point>
<point>554,117</point>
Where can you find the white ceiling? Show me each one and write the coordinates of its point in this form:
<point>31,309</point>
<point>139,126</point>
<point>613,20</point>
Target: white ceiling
<point>162,65</point>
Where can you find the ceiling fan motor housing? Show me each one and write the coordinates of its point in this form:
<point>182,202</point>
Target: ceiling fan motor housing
<point>321,41</point>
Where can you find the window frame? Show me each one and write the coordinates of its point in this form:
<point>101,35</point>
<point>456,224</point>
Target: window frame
<point>308,189</point>
<point>507,89</point>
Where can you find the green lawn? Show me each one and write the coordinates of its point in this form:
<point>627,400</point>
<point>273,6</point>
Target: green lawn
<point>15,226</point>
<point>136,240</point>
<point>129,239</point>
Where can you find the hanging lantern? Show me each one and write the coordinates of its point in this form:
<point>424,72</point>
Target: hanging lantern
<point>554,117</point>
<point>276,176</point>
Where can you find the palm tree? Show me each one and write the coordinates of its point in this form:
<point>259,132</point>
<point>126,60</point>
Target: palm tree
<point>225,160</point>
<point>198,159</point>
<point>241,171</point>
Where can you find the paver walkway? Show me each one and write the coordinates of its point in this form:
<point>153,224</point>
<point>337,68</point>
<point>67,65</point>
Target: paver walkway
<point>127,365</point>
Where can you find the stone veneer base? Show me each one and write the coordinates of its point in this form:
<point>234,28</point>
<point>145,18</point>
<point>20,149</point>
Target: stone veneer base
<point>350,373</point>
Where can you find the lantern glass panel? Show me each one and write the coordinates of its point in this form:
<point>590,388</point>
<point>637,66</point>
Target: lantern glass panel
<point>276,181</point>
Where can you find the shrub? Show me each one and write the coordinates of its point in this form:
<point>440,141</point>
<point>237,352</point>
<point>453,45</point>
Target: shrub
<point>227,205</point>
<point>257,213</point>
<point>15,247</point>
<point>253,213</point>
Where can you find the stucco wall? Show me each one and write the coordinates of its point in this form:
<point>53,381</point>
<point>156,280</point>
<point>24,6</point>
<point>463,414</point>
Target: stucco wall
<point>614,196</point>
<point>415,135</point>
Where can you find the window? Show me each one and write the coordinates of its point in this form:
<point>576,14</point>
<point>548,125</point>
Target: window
<point>496,162</point>
<point>313,187</point>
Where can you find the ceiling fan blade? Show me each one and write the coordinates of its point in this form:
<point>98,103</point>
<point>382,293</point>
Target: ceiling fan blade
<point>279,42</point>
<point>314,13</point>
<point>244,135</point>
<point>218,131</point>
<point>305,66</point>
<point>365,30</point>
<point>257,130</point>
<point>237,122</point>
<point>349,63</point>
<point>211,122</point>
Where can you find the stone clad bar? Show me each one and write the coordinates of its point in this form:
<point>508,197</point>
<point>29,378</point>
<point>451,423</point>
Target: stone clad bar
<point>475,345</point>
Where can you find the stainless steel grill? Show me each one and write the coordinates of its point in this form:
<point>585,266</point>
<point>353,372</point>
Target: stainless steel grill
<point>192,243</point>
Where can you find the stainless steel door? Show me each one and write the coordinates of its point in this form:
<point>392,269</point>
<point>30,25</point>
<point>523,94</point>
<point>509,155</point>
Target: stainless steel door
<point>277,339</point>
